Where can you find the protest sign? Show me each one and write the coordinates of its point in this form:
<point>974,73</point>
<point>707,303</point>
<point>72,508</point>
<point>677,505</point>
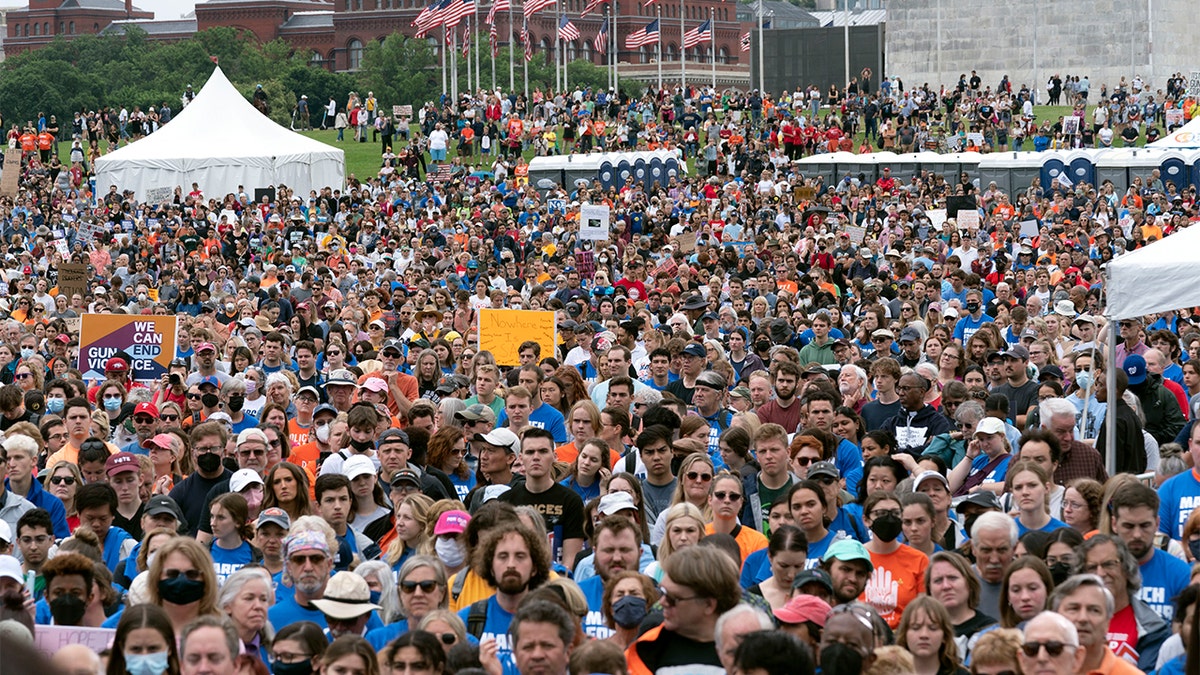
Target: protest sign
<point>1174,118</point>
<point>805,194</point>
<point>402,112</point>
<point>158,195</point>
<point>1194,84</point>
<point>74,323</point>
<point>686,241</point>
<point>72,279</point>
<point>501,331</point>
<point>148,340</point>
<point>857,234</point>
<point>937,218</point>
<point>1029,228</point>
<point>88,230</point>
<point>60,245</point>
<point>593,222</point>
<point>556,205</point>
<point>49,639</point>
<point>967,218</point>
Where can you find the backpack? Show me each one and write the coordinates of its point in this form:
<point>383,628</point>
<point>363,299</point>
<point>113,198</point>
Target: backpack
<point>477,617</point>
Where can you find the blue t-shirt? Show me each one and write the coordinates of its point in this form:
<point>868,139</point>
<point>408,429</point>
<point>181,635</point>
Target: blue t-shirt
<point>1177,497</point>
<point>848,523</point>
<point>290,611</point>
<point>816,549</point>
<point>966,327</point>
<point>380,637</point>
<point>1054,524</point>
<point>113,541</point>
<point>756,568</point>
<point>585,493</point>
<point>228,561</point>
<point>996,474</point>
<point>496,626</point>
<point>543,417</point>
<point>849,463</point>
<point>282,590</point>
<point>594,624</point>
<point>462,486</point>
<point>1163,578</point>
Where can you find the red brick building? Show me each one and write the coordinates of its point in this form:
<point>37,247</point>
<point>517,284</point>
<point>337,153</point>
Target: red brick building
<point>46,19</point>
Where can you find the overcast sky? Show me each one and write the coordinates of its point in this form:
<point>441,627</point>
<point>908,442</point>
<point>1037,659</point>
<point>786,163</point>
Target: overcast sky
<point>166,9</point>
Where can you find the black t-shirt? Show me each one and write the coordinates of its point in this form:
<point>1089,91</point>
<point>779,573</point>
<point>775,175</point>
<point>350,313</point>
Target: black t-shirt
<point>671,651</point>
<point>681,392</point>
<point>191,495</point>
<point>874,414</point>
<point>205,514</point>
<point>561,508</point>
<point>1019,398</point>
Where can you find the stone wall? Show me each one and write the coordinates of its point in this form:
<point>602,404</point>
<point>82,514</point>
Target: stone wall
<point>936,40</point>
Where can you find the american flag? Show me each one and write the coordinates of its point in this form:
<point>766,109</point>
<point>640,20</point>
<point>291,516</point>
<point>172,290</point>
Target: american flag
<point>432,17</point>
<point>646,36</point>
<point>601,41</point>
<point>498,6</point>
<point>746,42</point>
<point>526,42</point>
<point>494,41</point>
<point>699,34</point>
<point>449,36</point>
<point>458,10</point>
<point>466,48</point>
<point>592,4</point>
<point>567,30</point>
<point>534,6</point>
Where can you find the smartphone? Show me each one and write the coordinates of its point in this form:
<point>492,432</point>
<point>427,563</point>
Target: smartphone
<point>30,581</point>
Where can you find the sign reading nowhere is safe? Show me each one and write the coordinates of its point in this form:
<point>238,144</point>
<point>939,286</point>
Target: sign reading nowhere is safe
<point>148,340</point>
<point>501,332</point>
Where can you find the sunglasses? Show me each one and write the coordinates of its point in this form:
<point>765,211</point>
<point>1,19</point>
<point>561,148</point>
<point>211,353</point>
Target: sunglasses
<point>727,496</point>
<point>425,586</point>
<point>24,376</point>
<point>170,418</point>
<point>62,480</point>
<point>311,558</point>
<point>1053,648</point>
<point>192,574</point>
<point>702,477</point>
<point>193,397</point>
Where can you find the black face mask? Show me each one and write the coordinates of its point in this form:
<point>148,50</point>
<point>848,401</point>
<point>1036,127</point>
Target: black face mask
<point>972,307</point>
<point>298,668</point>
<point>230,463</point>
<point>235,403</point>
<point>1060,572</point>
<point>362,446</point>
<point>209,462</point>
<point>629,611</point>
<point>886,527</point>
<point>209,400</point>
<point>67,610</point>
<point>841,658</point>
<point>969,523</point>
<point>181,590</point>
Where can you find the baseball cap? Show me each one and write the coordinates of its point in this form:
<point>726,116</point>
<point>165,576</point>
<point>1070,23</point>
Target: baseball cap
<point>451,522</point>
<point>6,535</point>
<point>116,365</point>
<point>711,379</point>
<point>347,596</point>
<point>275,516</point>
<point>162,504</point>
<point>824,469</point>
<point>309,389</point>
<point>929,475</point>
<point>989,425</point>
<point>476,412</point>
<point>252,434</point>
<point>950,313</point>
<point>803,608</point>
<point>615,502</point>
<point>146,409</point>
<point>392,345</point>
<point>244,478</point>
<point>120,462</point>
<point>220,416</point>
<point>1135,367</point>
<point>815,575</point>
<point>503,438</point>
<point>205,347</point>
<point>358,465</point>
<point>392,435</point>
<point>210,379</point>
<point>10,568</point>
<point>374,384</point>
<point>1018,352</point>
<point>405,475</point>
<point>1050,371</point>
<point>847,550</point>
<point>341,376</point>
<point>696,350</point>
<point>325,408</point>
<point>910,334</point>
<point>883,332</point>
<point>985,498</point>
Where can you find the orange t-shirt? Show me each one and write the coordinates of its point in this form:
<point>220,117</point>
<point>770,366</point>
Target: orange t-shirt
<point>297,433</point>
<point>748,539</point>
<point>899,577</point>
<point>567,453</point>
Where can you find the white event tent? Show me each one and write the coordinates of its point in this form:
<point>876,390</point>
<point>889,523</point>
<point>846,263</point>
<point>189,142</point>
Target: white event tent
<point>1184,138</point>
<point>220,141</point>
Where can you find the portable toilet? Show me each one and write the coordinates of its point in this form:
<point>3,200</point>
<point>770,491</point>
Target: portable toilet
<point>608,174</point>
<point>656,174</point>
<point>938,164</point>
<point>968,163</point>
<point>904,167</point>
<point>1054,165</point>
<point>1144,161</point>
<point>1193,166</point>
<point>1174,169</point>
<point>815,166</point>
<point>1081,165</point>
<point>1113,167</point>
<point>671,168</point>
<point>1010,171</point>
<point>867,165</point>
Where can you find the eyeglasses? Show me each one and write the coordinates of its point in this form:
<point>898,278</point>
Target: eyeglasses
<point>288,657</point>
<point>425,586</point>
<point>1053,648</point>
<point>25,376</point>
<point>905,388</point>
<point>311,559</point>
<point>669,600</point>
<point>825,480</point>
<point>192,574</point>
<point>1107,566</point>
<point>727,496</point>
<point>885,512</point>
<point>39,540</point>
<point>696,475</point>
<point>112,397</point>
<point>143,419</point>
<point>262,452</point>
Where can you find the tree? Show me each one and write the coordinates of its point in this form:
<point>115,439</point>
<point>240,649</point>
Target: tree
<point>400,71</point>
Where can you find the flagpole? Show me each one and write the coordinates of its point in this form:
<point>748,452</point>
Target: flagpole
<point>454,65</point>
<point>658,47</point>
<point>524,61</point>
<point>475,41</point>
<point>682,54</point>
<point>467,56</point>
<point>512,85</point>
<point>445,62</point>
<point>760,44</point>
<point>712,24</point>
<point>493,59</point>
<point>615,57</point>
<point>557,49</point>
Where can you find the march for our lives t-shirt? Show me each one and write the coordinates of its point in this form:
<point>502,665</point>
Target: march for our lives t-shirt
<point>1163,578</point>
<point>816,549</point>
<point>1177,497</point>
<point>228,561</point>
<point>594,624</point>
<point>496,626</point>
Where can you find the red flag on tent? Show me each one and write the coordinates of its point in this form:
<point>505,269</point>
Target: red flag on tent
<point>213,59</point>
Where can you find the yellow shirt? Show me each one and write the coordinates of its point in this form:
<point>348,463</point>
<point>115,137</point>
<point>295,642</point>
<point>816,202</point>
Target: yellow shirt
<point>474,589</point>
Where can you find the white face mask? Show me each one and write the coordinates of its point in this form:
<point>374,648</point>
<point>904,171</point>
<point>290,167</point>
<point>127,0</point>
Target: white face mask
<point>323,433</point>
<point>450,551</point>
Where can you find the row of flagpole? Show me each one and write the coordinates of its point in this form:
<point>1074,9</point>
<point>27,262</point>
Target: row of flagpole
<point>449,13</point>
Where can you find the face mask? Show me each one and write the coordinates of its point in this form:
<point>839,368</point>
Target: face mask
<point>323,433</point>
<point>235,403</point>
<point>362,446</point>
<point>969,523</point>
<point>27,352</point>
<point>55,405</point>
<point>209,462</point>
<point>762,346</point>
<point>207,400</point>
<point>230,463</point>
<point>1060,571</point>
<point>67,610</point>
<point>886,527</point>
<point>141,297</point>
<point>112,404</point>
<point>146,664</point>
<point>229,308</point>
<point>298,668</point>
<point>629,611</point>
<point>450,551</point>
<point>840,658</point>
<point>251,386</point>
<point>254,498</point>
<point>181,590</point>
<point>1194,547</point>
<point>972,307</point>
<point>1083,379</point>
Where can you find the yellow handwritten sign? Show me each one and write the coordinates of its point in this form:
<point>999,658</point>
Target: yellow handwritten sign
<point>501,331</point>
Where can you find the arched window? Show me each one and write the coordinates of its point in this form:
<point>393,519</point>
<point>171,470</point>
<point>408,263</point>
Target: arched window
<point>46,28</point>
<point>354,54</point>
<point>72,27</point>
<point>587,50</point>
<point>722,55</point>
<point>37,30</point>
<point>670,54</point>
<point>315,59</point>
<point>543,45</point>
<point>61,27</point>
<point>643,54</point>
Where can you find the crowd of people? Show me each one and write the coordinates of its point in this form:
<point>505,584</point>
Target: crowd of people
<point>785,426</point>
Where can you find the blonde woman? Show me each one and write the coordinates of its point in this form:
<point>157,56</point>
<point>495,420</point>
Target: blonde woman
<point>684,526</point>
<point>412,516</point>
<point>694,478</point>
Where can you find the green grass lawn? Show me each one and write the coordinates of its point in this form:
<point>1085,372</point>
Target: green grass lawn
<point>363,159</point>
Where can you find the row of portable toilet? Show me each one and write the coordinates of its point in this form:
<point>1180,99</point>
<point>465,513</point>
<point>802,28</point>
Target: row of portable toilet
<point>611,169</point>
<point>833,166</point>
